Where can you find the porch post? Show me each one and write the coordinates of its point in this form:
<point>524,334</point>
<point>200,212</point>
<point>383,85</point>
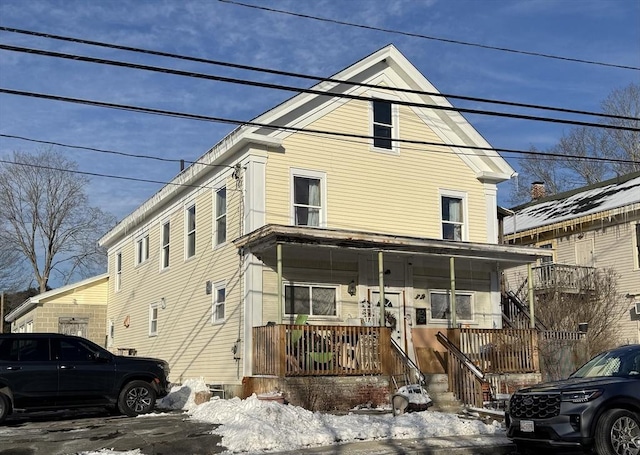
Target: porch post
<point>381,285</point>
<point>279,269</point>
<point>452,300</point>
<point>530,295</point>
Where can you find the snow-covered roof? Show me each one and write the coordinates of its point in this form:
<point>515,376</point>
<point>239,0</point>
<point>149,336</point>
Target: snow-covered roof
<point>607,198</point>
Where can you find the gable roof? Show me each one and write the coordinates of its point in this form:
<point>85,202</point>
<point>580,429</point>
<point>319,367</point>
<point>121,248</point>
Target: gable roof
<point>386,68</point>
<point>608,198</point>
<point>31,302</point>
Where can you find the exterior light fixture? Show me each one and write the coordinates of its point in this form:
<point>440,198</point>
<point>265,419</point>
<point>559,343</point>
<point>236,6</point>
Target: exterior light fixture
<point>163,303</point>
<point>351,289</point>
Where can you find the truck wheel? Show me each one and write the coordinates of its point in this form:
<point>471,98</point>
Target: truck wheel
<point>618,433</point>
<point>4,407</point>
<point>137,397</point>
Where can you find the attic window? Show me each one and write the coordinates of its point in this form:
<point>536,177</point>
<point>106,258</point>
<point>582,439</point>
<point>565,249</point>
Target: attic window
<point>382,124</point>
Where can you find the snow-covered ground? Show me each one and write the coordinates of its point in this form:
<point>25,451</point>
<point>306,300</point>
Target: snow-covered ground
<point>253,426</point>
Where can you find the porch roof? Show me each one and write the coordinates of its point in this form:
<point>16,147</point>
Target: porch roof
<point>268,236</point>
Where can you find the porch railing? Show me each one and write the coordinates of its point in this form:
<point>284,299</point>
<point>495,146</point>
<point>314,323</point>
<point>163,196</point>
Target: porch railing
<point>501,351</point>
<point>316,350</point>
<point>568,278</point>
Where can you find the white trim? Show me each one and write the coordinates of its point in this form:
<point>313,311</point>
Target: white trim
<point>447,293</point>
<point>635,247</point>
<point>163,245</point>
<point>187,207</point>
<point>216,216</point>
<point>305,173</point>
<point>141,252</point>
<point>465,210</point>
<point>309,284</point>
<point>154,307</point>
<point>220,285</point>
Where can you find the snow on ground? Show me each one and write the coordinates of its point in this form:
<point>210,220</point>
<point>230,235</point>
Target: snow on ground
<point>253,426</point>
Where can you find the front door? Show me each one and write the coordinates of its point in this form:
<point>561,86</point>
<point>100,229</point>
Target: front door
<point>393,313</point>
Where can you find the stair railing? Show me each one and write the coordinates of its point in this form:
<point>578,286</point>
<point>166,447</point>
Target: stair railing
<point>466,379</point>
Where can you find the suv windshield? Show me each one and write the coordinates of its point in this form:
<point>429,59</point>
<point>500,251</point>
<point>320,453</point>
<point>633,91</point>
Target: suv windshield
<point>619,362</point>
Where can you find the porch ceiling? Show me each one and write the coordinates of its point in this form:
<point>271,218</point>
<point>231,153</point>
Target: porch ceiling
<point>265,238</point>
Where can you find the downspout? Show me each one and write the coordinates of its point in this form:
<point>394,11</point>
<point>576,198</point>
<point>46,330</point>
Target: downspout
<point>530,295</point>
<point>452,275</point>
<point>279,270</point>
<point>383,300</point>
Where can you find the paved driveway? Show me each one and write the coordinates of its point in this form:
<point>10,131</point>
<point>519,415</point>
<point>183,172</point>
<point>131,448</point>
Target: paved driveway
<point>81,431</point>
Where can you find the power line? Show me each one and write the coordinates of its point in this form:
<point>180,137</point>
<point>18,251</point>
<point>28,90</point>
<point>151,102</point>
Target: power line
<point>97,174</point>
<point>121,64</point>
<point>284,128</point>
<point>433,38</point>
<point>306,76</point>
<point>112,152</point>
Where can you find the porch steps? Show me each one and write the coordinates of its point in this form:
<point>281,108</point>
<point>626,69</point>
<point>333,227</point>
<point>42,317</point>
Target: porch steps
<point>437,386</point>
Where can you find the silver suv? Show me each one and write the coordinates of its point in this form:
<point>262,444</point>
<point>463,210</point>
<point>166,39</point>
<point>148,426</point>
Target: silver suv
<point>49,371</point>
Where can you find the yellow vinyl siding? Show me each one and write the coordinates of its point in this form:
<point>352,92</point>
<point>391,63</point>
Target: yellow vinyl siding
<point>186,337</point>
<point>372,190</point>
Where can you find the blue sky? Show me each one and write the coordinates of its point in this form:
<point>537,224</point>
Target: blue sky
<point>596,30</point>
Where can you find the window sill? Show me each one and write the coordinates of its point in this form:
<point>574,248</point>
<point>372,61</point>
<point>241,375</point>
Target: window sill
<point>391,151</point>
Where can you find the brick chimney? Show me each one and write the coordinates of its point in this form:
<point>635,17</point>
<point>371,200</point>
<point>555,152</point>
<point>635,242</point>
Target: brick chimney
<point>537,190</point>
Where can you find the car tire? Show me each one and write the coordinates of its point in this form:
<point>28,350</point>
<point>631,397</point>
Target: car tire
<point>618,433</point>
<point>137,397</point>
<point>4,407</point>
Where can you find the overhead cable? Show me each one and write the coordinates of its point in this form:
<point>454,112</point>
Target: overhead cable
<point>301,75</point>
<point>312,91</point>
<point>418,35</point>
<point>206,118</point>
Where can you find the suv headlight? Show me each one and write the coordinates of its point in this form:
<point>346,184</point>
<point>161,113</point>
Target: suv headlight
<point>581,396</point>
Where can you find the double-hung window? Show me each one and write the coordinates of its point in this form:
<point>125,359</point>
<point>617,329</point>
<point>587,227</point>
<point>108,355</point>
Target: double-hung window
<point>453,214</point>
<point>636,250</point>
<point>383,128</point>
<point>310,299</point>
<point>118,271</point>
<point>221,216</point>
<point>441,308</point>
<point>166,232</point>
<point>153,319</point>
<point>190,230</point>
<point>142,249</point>
<point>308,194</point>
<point>219,298</point>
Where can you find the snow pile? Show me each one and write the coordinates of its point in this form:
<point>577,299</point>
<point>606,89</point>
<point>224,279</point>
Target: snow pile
<point>182,397</point>
<point>254,426</point>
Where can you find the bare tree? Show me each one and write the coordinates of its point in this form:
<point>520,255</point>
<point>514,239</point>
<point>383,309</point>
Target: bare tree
<point>582,144</point>
<point>12,275</point>
<point>47,218</point>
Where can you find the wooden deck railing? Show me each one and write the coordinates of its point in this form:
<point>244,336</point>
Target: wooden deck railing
<point>317,350</point>
<point>567,278</point>
<point>501,351</point>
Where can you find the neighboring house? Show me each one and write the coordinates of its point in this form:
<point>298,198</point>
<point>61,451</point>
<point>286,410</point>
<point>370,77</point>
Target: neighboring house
<point>281,224</point>
<point>594,227</point>
<point>76,309</point>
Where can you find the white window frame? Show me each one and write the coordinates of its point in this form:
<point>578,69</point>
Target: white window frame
<point>635,239</point>
<point>187,232</point>
<point>219,216</point>
<point>395,130</point>
<point>311,315</point>
<point>465,212</point>
<point>305,173</point>
<point>118,267</point>
<point>153,321</point>
<point>142,249</point>
<point>447,293</point>
<point>165,245</point>
<point>216,303</point>
<point>111,332</point>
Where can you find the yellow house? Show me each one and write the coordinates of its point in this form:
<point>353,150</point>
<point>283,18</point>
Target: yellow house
<point>370,187</point>
<point>76,309</point>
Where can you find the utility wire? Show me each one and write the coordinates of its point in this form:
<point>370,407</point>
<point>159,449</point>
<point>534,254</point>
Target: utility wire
<point>305,76</point>
<point>325,93</point>
<point>112,152</point>
<point>205,118</point>
<point>433,38</point>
